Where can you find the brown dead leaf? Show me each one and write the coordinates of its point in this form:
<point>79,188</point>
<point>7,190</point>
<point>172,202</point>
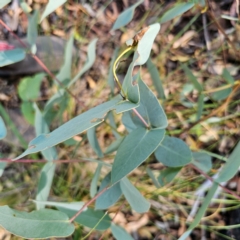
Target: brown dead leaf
<point>59,33</point>
<point>145,233</point>
<point>45,25</point>
<point>127,35</point>
<point>4,234</point>
<point>183,41</point>
<point>119,219</point>
<point>4,97</point>
<point>91,82</point>
<point>77,138</point>
<point>134,226</point>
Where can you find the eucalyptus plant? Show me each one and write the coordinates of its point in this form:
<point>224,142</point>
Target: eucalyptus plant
<point>142,115</point>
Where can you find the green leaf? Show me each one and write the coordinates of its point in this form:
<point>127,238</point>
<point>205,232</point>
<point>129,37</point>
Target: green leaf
<point>126,16</point>
<point>77,125</point>
<point>91,56</point>
<point>44,223</point>
<point>222,94</point>
<point>51,7</point>
<point>72,205</point>
<point>173,152</point>
<point>119,233</point>
<point>114,145</point>
<point>93,187</point>
<point>25,7</point>
<point>192,78</point>
<point>11,56</point>
<point>167,175</point>
<point>2,167</point>
<point>58,101</point>
<point>149,109</point>
<point>144,46</point>
<point>47,172</point>
<point>153,178</point>
<point>28,111</point>
<point>177,10</point>
<point>227,76</point>
<point>41,127</point>
<point>92,138</point>
<point>29,87</point>
<point>89,218</point>
<point>187,88</point>
<point>3,129</point>
<point>12,127</point>
<point>201,211</point>
<point>109,197</point>
<point>45,183</point>
<point>134,150</point>
<point>32,31</point>
<point>202,161</point>
<point>131,90</point>
<point>231,167</point>
<point>156,79</point>
<point>64,74</point>
<point>200,106</point>
<point>4,2</point>
<point>134,197</point>
<point>127,121</point>
<point>113,125</point>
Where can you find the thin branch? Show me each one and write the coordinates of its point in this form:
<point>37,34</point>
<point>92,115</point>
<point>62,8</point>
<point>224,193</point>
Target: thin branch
<point>87,204</point>
<point>39,61</point>
<point>212,180</point>
<point>54,161</point>
<point>140,117</point>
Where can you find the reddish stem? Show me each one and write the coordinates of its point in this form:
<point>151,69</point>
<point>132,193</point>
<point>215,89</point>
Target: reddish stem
<point>140,117</point>
<point>212,180</point>
<point>38,60</point>
<point>87,204</point>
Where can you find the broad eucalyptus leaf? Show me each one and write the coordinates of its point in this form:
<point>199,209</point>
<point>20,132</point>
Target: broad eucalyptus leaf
<point>96,219</point>
<point>119,233</point>
<point>77,125</point>
<point>134,197</point>
<point>126,16</point>
<point>202,161</point>
<point>144,45</point>
<point>134,150</point>
<point>177,10</point>
<point>149,108</point>
<point>11,56</point>
<point>109,197</point>
<point>173,152</point>
<point>44,223</point>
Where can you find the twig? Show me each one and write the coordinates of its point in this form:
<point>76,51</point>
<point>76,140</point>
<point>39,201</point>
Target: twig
<point>54,161</point>
<point>140,117</point>
<point>39,61</point>
<point>212,180</point>
<point>87,204</point>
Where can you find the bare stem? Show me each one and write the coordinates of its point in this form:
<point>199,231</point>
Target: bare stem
<point>39,61</point>
<point>140,117</point>
<point>87,204</point>
<point>54,161</point>
<point>212,180</point>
